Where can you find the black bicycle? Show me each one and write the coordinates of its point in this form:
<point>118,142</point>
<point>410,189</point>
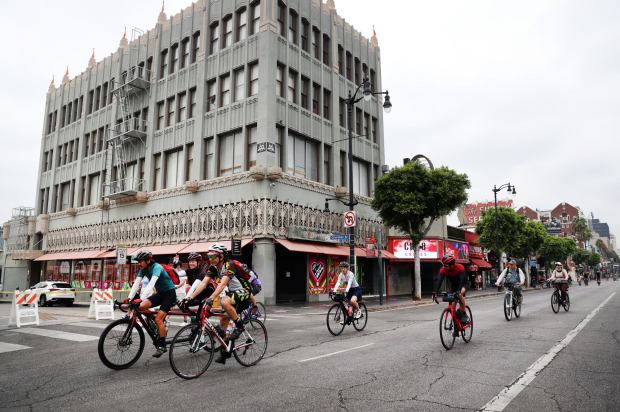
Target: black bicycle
<point>341,314</point>
<point>557,301</point>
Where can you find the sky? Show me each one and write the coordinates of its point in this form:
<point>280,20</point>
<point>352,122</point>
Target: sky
<point>526,92</point>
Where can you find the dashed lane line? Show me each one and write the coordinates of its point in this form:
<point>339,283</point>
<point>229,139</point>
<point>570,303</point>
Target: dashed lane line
<point>335,353</point>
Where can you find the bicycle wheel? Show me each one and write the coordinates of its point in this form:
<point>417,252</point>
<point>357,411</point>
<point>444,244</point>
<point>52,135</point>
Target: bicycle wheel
<point>260,314</point>
<point>468,330</point>
<point>336,319</point>
<point>446,329</point>
<point>250,347</point>
<point>566,303</point>
<point>360,324</point>
<point>187,356</point>
<point>555,302</point>
<point>120,344</point>
<point>517,307</point>
<point>508,307</point>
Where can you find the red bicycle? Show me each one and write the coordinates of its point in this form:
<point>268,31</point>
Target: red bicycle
<point>450,326</point>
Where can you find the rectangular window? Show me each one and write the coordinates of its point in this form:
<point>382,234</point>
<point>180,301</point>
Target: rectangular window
<point>342,112</point>
<point>189,162</point>
<point>360,177</point>
<point>373,80</point>
<point>160,115</point>
<point>255,25</point>
<point>239,84</point>
<point>169,111</point>
<point>195,46</point>
<point>358,121</point>
<point>364,70</point>
<point>192,103</point>
<point>327,98</point>
<point>316,99</point>
<point>215,38</point>
<point>343,169</point>
<point>101,141</point>
<point>326,49</point>
<point>174,165</point>
<point>242,24</point>
<point>367,126</point>
<point>292,86</point>
<point>97,97</point>
<point>358,73</point>
<point>327,153</point>
<point>374,130</point>
<point>89,103</point>
<point>279,80</point>
<point>86,144</point>
<point>69,113</point>
<point>253,86</point>
<point>184,53</point>
<point>211,94</point>
<point>292,26</point>
<point>81,102</point>
<point>65,150</point>
<point>305,93</point>
<point>93,142</point>
<point>174,57</point>
<point>231,153</point>
<point>340,60</point>
<point>280,139</point>
<point>305,34</point>
<point>316,42</point>
<point>82,198</point>
<point>93,192</point>
<point>349,68</point>
<point>163,64</point>
<point>104,94</point>
<point>209,165</point>
<point>76,154</point>
<point>181,106</point>
<point>224,90</point>
<point>49,122</point>
<point>303,157</point>
<point>281,19</point>
<point>228,31</point>
<point>252,140</point>
<point>157,171</point>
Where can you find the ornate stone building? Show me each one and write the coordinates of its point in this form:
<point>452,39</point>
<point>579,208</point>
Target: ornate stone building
<point>226,120</point>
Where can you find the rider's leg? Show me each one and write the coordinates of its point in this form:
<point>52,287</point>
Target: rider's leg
<point>159,321</point>
<point>354,303</point>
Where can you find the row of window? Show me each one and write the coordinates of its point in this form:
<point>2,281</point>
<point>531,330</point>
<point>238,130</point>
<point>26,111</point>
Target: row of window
<point>310,42</point>
<point>221,32</point>
<point>178,58</point>
<point>231,87</point>
<point>176,108</point>
<point>301,95</point>
<point>351,66</point>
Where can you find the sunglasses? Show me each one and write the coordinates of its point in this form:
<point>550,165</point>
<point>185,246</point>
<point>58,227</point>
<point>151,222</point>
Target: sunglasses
<point>212,255</point>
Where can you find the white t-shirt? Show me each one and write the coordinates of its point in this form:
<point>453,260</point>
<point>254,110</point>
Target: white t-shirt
<point>181,290</point>
<point>348,279</point>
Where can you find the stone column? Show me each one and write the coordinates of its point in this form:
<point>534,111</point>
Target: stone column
<point>264,263</point>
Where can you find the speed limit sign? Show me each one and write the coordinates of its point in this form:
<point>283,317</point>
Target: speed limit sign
<point>349,219</point>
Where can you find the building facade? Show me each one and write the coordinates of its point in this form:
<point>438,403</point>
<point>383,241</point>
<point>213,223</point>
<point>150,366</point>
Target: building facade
<point>226,120</point>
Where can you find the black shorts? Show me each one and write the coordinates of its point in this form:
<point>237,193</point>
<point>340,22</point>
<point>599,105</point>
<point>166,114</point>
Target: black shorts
<point>165,300</point>
<point>355,291</point>
<point>458,282</point>
<point>240,299</point>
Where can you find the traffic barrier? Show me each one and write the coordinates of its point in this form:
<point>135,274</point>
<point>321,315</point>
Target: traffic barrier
<point>101,304</point>
<point>24,305</point>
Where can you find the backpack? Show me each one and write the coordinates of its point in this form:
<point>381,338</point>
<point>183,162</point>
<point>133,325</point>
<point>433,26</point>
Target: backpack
<point>255,283</point>
<point>248,278</point>
<point>171,273</point>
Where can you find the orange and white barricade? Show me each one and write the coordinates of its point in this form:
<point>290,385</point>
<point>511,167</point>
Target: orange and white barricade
<point>101,304</point>
<point>25,305</point>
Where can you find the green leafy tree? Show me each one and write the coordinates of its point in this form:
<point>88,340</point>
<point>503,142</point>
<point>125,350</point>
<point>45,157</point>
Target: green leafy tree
<point>502,230</point>
<point>594,259</point>
<point>412,197</point>
<point>557,249</point>
<point>581,256</point>
<point>533,234</point>
<point>581,231</point>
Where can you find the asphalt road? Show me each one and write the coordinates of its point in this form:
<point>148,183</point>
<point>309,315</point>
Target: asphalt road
<point>396,363</point>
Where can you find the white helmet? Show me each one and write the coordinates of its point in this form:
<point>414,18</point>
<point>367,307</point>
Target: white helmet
<point>218,247</point>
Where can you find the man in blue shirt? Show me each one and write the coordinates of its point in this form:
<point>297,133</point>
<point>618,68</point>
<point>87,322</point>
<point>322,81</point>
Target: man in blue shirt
<point>164,295</point>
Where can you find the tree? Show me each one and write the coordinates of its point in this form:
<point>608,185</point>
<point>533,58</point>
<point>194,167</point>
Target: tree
<point>533,234</point>
<point>412,197</point>
<point>594,259</point>
<point>581,231</point>
<point>581,256</point>
<point>501,230</point>
<point>557,249</point>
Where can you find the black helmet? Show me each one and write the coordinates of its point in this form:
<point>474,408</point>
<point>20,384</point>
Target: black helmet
<point>344,264</point>
<point>143,255</point>
<point>195,256</point>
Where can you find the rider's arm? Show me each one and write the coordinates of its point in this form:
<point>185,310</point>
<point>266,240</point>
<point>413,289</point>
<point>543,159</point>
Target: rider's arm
<point>135,287</point>
<point>501,277</point>
<point>521,277</point>
<point>220,287</point>
<point>193,288</point>
<point>197,288</point>
<point>336,284</point>
<point>149,288</point>
<point>349,283</point>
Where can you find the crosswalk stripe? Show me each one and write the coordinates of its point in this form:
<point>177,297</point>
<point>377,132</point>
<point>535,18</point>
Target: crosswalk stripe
<point>75,337</point>
<point>11,347</point>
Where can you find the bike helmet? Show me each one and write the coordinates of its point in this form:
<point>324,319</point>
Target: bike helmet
<point>344,264</point>
<point>219,248</point>
<point>195,256</point>
<point>143,255</point>
<point>448,260</point>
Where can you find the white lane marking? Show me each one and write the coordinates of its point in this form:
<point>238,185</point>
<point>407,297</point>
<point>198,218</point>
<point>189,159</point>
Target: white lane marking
<point>270,316</point>
<point>89,325</point>
<point>76,337</point>
<point>336,353</point>
<point>11,347</point>
<point>501,401</point>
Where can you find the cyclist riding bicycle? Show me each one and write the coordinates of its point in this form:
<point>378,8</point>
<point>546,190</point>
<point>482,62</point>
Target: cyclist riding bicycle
<point>352,289</point>
<point>196,272</point>
<point>457,277</point>
<point>164,296</point>
<point>513,274</point>
<point>560,278</point>
<point>224,272</point>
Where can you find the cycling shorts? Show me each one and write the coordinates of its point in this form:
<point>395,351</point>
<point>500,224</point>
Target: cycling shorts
<point>165,300</point>
<point>240,299</point>
<point>355,292</point>
<point>458,282</point>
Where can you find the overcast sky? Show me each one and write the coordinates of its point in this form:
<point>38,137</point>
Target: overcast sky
<point>526,91</point>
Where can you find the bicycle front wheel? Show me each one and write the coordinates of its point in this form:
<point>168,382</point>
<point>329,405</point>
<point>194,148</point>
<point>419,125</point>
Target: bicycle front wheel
<point>120,344</point>
<point>250,347</point>
<point>555,302</point>
<point>447,329</point>
<point>360,323</point>
<point>517,307</point>
<point>190,352</point>
<point>508,307</point>
<point>336,319</point>
<point>566,303</point>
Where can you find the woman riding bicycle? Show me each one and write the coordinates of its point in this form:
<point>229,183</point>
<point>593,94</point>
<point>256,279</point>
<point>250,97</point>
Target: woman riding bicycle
<point>560,278</point>
<point>514,275</point>
<point>352,289</point>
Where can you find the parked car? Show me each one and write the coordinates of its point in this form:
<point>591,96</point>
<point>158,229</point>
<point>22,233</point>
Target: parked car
<point>53,292</point>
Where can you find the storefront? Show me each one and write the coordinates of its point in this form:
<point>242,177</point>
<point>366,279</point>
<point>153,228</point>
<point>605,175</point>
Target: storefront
<point>478,268</point>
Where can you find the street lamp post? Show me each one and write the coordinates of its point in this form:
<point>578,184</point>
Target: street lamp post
<point>510,188</point>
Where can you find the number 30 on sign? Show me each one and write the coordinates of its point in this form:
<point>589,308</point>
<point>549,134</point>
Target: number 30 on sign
<point>350,218</point>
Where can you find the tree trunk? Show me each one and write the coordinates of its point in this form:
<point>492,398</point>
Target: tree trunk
<point>417,276</point>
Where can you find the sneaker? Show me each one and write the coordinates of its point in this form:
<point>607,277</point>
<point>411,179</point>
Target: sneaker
<point>222,356</point>
<point>236,333</point>
<point>160,351</point>
<point>358,314</point>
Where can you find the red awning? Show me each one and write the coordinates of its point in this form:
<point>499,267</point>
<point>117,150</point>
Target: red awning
<point>203,247</point>
<point>482,264</point>
<point>84,254</point>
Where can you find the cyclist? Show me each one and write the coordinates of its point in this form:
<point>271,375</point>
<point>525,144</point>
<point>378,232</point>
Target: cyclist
<point>456,275</point>
<point>164,296</point>
<point>513,274</point>
<point>196,272</point>
<point>560,278</point>
<point>252,297</point>
<point>352,288</point>
<point>224,272</point>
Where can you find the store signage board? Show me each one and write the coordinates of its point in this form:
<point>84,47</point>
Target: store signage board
<point>403,249</point>
<point>121,256</point>
<point>305,233</point>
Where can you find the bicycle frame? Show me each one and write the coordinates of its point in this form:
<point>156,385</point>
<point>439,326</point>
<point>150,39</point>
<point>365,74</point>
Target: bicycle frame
<point>457,322</point>
<point>137,316</point>
<point>206,313</point>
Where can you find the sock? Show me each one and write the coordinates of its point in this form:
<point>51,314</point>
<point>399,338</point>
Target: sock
<point>239,323</point>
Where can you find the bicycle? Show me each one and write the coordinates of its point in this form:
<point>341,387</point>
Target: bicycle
<point>192,348</point>
<point>511,304</point>
<point>122,342</point>
<point>556,301</point>
<point>339,316</point>
<point>450,326</point>
<point>250,314</point>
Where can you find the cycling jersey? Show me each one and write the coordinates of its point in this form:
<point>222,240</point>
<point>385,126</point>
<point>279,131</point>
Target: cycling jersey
<point>164,283</point>
<point>456,275</point>
<point>235,282</point>
<point>348,279</point>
